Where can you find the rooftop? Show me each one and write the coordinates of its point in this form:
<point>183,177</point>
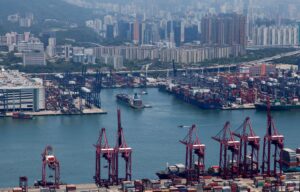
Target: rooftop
<point>13,79</point>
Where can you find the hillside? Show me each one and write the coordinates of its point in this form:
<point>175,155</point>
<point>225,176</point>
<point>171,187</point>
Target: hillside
<point>44,9</point>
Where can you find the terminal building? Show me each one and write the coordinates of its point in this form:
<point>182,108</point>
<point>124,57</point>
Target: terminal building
<point>18,92</point>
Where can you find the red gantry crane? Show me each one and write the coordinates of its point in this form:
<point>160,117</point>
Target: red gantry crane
<point>49,159</point>
<point>122,149</point>
<point>193,147</point>
<point>272,137</point>
<point>249,163</point>
<point>228,167</point>
<point>103,150</point>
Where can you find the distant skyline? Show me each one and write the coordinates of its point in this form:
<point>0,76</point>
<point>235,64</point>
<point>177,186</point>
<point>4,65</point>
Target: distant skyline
<point>266,8</point>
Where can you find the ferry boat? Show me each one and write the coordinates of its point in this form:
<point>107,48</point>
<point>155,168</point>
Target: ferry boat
<point>21,115</point>
<point>133,101</point>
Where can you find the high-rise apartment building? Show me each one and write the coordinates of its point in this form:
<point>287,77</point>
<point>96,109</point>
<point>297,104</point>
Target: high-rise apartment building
<point>136,32</point>
<point>276,36</point>
<point>223,29</point>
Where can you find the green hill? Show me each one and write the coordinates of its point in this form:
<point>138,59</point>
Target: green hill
<point>44,9</point>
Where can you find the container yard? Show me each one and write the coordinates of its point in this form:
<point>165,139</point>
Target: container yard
<point>25,96</point>
<point>244,89</point>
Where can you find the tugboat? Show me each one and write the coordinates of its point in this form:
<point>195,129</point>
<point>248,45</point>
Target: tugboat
<point>133,101</point>
<point>21,115</point>
<point>136,102</point>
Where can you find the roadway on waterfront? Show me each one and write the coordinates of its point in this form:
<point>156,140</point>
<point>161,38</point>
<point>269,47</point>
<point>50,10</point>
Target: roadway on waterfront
<point>212,67</point>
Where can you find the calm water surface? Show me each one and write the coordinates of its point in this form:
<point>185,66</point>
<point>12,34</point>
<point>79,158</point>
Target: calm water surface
<point>152,133</point>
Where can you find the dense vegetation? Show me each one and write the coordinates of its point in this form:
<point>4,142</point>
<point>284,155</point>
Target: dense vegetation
<point>77,36</point>
<point>49,15</point>
<point>62,66</point>
<point>45,9</point>
<point>251,55</point>
<point>295,59</point>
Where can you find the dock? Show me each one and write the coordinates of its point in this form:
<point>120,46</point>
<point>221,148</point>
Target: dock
<point>239,107</point>
<point>62,188</point>
<point>93,111</point>
<point>290,182</point>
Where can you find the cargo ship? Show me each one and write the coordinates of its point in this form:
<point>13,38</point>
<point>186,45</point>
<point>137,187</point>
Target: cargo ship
<point>21,115</point>
<point>290,160</point>
<point>133,101</point>
<point>278,105</point>
<point>177,170</point>
<point>203,98</point>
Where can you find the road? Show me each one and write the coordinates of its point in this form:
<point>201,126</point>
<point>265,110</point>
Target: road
<point>213,67</point>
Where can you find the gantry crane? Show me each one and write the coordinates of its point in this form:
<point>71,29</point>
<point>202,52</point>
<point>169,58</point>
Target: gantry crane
<point>248,163</point>
<point>49,160</point>
<point>122,149</point>
<point>272,137</point>
<point>103,150</point>
<point>193,146</point>
<point>228,169</point>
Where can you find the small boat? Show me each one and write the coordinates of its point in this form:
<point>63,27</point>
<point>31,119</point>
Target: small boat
<point>21,115</point>
<point>147,106</point>
<point>144,93</point>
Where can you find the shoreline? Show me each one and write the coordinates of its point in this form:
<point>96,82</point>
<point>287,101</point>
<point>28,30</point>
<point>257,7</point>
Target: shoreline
<point>59,113</point>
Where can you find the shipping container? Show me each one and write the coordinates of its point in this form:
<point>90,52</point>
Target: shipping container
<point>70,188</point>
<point>226,189</point>
<point>17,189</point>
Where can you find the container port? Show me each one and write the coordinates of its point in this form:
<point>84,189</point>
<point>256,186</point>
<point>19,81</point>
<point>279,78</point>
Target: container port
<point>241,165</point>
<point>23,96</point>
<point>242,89</point>
<point>244,165</point>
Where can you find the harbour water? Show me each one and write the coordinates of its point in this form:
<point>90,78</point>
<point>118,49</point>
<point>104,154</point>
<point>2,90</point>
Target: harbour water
<point>153,134</point>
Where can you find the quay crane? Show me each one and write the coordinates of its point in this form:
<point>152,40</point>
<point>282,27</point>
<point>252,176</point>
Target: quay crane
<point>228,144</point>
<point>103,150</point>
<point>248,163</point>
<point>49,160</point>
<point>125,151</point>
<point>272,138</point>
<point>193,144</point>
